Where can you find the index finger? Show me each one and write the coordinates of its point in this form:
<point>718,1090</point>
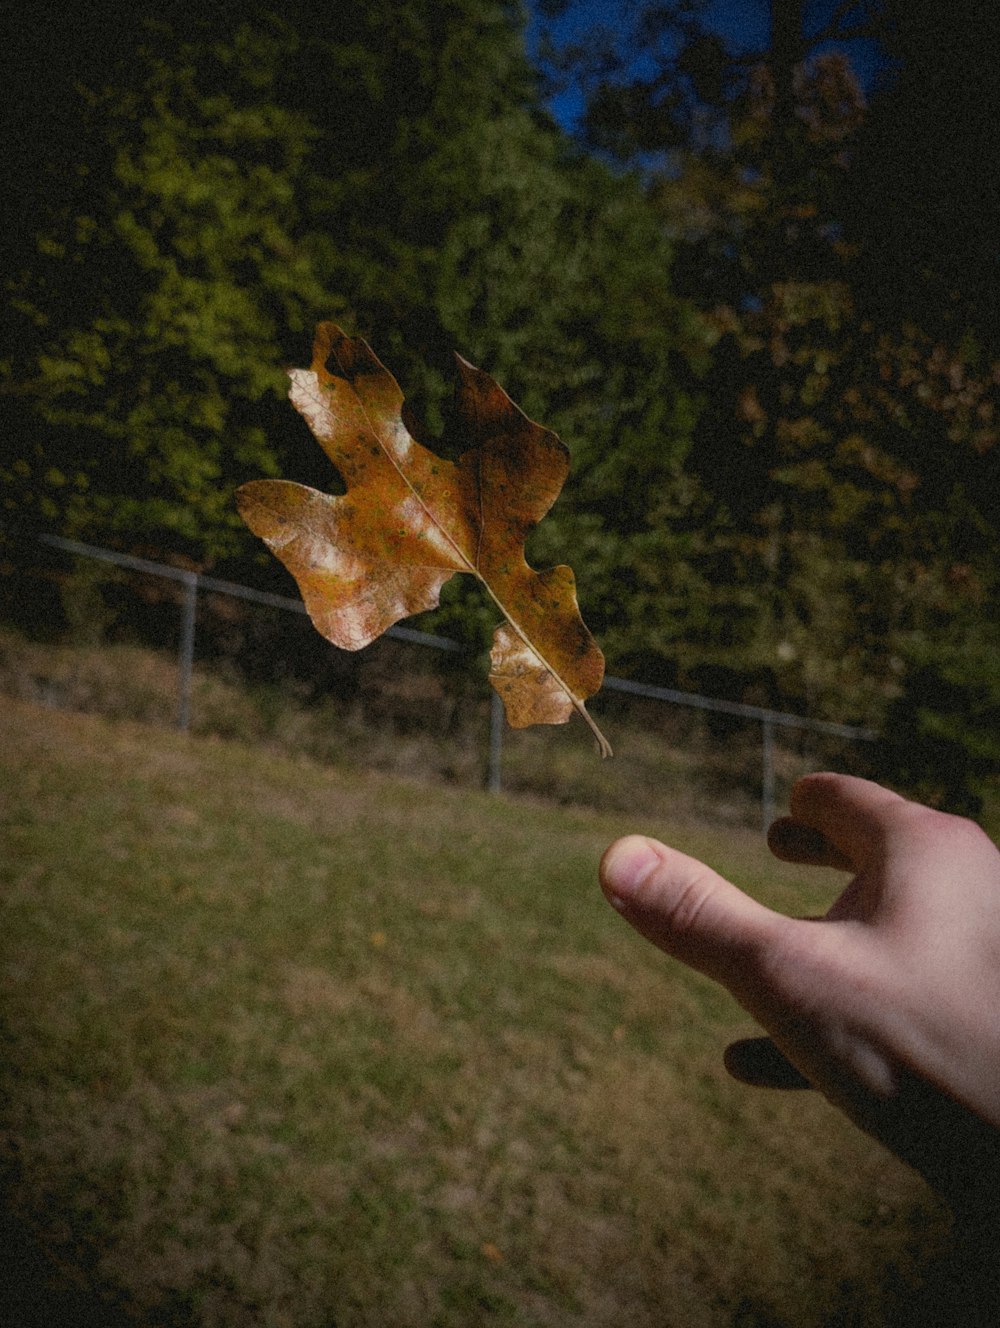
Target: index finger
<point>791,841</point>
<point>847,813</point>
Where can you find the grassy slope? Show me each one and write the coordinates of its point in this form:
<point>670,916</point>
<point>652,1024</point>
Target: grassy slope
<point>289,1046</point>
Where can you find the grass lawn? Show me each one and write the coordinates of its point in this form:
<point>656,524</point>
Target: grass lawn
<point>291,1046</point>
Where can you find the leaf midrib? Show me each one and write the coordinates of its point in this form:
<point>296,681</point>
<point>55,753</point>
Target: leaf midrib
<point>474,568</point>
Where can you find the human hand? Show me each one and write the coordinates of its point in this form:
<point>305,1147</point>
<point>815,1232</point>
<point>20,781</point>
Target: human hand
<point>890,1004</point>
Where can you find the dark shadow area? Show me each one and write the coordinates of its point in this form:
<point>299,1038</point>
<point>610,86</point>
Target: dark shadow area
<point>36,1293</point>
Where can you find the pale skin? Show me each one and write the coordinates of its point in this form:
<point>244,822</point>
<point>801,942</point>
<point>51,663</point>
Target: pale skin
<point>889,1005</point>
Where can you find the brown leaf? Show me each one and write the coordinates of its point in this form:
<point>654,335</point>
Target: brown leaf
<point>410,520</point>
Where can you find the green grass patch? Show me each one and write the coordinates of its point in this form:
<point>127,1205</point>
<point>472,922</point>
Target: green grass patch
<point>296,1045</point>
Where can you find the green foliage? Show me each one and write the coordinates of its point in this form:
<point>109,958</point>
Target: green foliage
<point>942,732</point>
<point>234,178</point>
<point>167,272</point>
<point>845,458</point>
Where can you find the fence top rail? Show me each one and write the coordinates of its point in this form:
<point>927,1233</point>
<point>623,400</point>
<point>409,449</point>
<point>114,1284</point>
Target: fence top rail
<point>121,559</point>
<point>778,717</point>
<point>692,700</point>
<point>234,588</point>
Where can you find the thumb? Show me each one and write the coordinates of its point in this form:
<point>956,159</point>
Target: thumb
<point>688,910</point>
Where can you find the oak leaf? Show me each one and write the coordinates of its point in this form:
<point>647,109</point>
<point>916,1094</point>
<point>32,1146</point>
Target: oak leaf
<point>409,520</point>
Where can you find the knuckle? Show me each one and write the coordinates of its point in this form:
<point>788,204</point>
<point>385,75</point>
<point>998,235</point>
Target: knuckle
<point>956,835</point>
<point>686,905</point>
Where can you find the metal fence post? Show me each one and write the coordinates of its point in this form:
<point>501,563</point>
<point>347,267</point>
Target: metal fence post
<point>185,663</point>
<point>767,772</point>
<point>494,781</point>
<point>769,720</point>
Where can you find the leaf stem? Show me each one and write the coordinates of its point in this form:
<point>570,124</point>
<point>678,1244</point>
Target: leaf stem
<point>603,746</point>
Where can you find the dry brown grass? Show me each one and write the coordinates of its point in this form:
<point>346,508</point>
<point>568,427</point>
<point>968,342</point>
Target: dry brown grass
<point>292,1045</point>
<point>672,763</point>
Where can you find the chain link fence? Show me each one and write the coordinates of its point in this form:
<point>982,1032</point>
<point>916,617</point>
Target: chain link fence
<point>247,663</point>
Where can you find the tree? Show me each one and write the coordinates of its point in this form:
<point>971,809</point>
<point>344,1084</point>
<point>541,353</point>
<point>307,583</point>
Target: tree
<point>167,267</point>
<point>844,257</point>
<point>925,206</point>
<point>231,177</point>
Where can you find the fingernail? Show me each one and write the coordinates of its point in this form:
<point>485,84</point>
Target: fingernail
<point>625,867</point>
